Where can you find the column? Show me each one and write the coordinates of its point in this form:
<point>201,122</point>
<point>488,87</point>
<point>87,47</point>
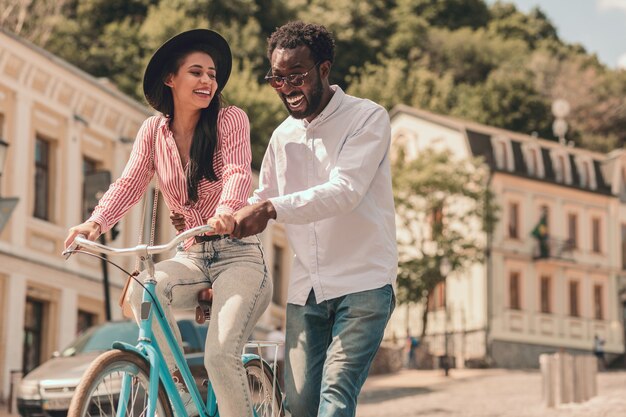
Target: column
<point>14,322</point>
<point>68,316</point>
<point>22,184</point>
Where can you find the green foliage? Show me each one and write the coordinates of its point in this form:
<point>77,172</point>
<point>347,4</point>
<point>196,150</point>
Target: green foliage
<point>452,14</point>
<point>492,64</point>
<point>509,23</point>
<point>507,99</point>
<point>264,108</point>
<point>445,210</point>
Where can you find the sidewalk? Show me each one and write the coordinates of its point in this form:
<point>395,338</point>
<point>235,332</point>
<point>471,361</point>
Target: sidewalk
<point>481,393</point>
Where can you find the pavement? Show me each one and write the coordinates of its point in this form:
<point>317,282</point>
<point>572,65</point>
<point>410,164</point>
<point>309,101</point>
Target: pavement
<point>481,393</point>
<point>475,393</point>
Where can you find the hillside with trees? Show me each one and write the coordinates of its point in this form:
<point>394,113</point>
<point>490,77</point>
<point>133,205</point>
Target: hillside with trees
<point>491,64</point>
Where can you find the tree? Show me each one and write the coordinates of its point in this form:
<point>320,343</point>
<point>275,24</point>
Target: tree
<point>265,110</point>
<point>445,210</point>
<point>33,20</point>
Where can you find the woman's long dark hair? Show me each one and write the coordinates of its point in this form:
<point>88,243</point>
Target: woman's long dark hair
<point>205,135</point>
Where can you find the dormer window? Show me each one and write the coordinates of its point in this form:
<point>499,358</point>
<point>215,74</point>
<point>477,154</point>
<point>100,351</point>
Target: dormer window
<point>562,169</point>
<point>532,157</point>
<point>587,174</point>
<point>503,152</point>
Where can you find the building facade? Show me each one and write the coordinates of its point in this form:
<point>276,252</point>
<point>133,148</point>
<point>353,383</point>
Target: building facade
<point>61,125</point>
<point>530,296</point>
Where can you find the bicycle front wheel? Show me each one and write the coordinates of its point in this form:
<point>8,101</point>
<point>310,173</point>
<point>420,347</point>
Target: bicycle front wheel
<point>98,393</point>
<point>267,400</point>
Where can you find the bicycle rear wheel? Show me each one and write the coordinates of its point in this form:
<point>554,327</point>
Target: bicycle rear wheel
<point>266,402</point>
<point>98,393</point>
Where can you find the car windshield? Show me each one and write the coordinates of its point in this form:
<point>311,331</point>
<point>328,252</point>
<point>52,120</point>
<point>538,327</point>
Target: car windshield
<point>100,338</point>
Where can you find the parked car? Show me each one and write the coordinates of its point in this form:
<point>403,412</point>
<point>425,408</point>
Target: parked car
<point>47,390</point>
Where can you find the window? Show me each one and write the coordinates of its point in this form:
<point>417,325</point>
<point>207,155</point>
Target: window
<point>574,310</point>
<point>84,321</point>
<point>90,166</point>
<point>546,294</point>
<point>437,298</point>
<point>277,275</point>
<point>502,154</point>
<point>598,302</point>
<point>514,291</point>
<point>595,235</point>
<point>33,334</point>
<point>514,220</point>
<point>572,231</point>
<point>624,246</point>
<point>436,221</point>
<point>585,174</point>
<point>533,162</point>
<point>560,168</point>
<point>42,179</point>
<point>622,192</point>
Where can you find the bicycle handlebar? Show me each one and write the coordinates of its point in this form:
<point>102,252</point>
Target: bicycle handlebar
<point>82,241</point>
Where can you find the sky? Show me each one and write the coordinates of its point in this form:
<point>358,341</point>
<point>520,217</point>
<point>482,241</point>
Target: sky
<point>598,25</point>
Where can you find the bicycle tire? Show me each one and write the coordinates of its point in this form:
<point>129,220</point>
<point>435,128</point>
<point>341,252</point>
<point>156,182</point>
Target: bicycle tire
<point>97,393</point>
<point>260,380</point>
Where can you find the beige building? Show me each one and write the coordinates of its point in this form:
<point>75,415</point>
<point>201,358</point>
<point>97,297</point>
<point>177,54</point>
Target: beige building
<point>61,124</point>
<point>522,302</point>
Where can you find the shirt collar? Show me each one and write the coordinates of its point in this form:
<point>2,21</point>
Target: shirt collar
<point>331,107</point>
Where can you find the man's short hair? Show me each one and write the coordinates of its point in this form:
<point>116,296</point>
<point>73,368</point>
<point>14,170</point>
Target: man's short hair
<point>293,34</point>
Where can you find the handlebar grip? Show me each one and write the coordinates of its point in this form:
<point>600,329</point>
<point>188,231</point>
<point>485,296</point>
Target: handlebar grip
<point>68,252</point>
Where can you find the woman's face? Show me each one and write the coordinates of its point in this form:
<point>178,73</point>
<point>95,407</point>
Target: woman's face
<point>195,82</point>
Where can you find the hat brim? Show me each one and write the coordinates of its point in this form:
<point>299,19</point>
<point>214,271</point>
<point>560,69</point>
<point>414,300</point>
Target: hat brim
<point>224,60</point>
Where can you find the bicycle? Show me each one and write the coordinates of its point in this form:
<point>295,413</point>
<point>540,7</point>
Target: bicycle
<point>134,381</point>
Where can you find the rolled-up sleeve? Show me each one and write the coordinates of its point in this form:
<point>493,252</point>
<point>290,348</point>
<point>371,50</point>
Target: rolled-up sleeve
<point>236,159</point>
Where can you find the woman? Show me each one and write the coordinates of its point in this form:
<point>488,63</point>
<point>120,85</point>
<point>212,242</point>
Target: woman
<point>202,159</point>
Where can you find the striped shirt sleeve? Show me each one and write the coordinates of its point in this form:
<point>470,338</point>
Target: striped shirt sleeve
<point>236,157</point>
<point>124,193</point>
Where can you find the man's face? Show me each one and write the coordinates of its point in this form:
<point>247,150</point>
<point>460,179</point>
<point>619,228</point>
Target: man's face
<point>303,102</point>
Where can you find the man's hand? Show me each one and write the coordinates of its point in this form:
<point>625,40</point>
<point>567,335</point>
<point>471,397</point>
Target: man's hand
<point>178,220</point>
<point>223,224</point>
<point>253,219</point>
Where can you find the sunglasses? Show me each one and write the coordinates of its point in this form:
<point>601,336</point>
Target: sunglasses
<point>294,80</point>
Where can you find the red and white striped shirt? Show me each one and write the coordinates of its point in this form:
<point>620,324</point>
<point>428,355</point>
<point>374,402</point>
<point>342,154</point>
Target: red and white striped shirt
<point>231,163</point>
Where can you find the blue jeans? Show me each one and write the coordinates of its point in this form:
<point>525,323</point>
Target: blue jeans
<point>242,290</point>
<point>329,348</point>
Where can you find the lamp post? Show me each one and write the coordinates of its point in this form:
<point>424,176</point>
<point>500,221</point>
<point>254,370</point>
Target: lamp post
<point>444,269</point>
<point>6,204</point>
<point>560,110</point>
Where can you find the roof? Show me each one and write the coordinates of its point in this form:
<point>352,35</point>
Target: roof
<point>479,137</point>
<point>98,83</point>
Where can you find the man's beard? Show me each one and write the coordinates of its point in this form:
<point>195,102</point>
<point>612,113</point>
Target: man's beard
<point>312,104</point>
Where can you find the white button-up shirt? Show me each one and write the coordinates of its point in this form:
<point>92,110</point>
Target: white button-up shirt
<point>330,183</point>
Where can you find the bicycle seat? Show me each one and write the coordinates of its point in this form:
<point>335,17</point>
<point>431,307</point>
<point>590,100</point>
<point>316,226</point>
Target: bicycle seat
<point>203,310</point>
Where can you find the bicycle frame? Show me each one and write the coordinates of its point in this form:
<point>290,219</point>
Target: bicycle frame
<point>149,349</point>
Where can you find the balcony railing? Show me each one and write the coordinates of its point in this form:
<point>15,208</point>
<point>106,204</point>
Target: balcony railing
<point>554,248</point>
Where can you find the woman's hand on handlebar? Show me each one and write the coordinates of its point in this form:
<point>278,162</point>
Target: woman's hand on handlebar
<point>91,230</point>
<point>224,224</point>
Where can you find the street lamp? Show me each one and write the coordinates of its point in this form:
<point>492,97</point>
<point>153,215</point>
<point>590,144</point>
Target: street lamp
<point>7,205</point>
<point>444,269</point>
<point>560,110</point>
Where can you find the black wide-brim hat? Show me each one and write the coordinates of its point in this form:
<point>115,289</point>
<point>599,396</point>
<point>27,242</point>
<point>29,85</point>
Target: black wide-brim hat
<point>223,59</point>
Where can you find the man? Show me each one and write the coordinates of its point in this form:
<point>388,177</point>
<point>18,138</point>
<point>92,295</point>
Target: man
<point>326,176</point>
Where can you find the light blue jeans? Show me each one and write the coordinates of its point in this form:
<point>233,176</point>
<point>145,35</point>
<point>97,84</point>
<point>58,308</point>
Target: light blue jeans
<point>329,348</point>
<point>242,290</point>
